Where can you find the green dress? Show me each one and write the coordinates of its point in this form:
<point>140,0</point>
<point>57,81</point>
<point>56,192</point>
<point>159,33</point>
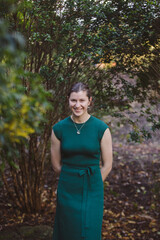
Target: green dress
<point>79,211</point>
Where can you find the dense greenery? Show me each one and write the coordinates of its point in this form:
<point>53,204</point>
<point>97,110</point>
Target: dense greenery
<point>23,105</point>
<point>111,45</point>
<point>22,96</point>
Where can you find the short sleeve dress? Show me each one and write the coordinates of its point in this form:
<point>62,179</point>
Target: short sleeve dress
<point>79,210</point>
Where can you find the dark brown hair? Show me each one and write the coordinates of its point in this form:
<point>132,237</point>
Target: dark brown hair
<point>79,86</point>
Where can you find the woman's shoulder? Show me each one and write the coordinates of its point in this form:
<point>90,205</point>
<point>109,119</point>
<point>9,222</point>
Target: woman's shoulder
<point>100,126</point>
<point>62,122</point>
<point>99,122</point>
<point>59,126</point>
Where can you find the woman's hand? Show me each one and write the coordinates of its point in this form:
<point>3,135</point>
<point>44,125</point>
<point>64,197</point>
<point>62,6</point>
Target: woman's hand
<point>106,154</point>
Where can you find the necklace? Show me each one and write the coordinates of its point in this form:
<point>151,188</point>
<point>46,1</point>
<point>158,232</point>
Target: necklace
<point>78,130</point>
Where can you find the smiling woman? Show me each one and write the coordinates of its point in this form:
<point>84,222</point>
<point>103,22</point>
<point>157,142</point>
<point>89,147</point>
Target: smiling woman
<point>79,101</point>
<point>77,144</point>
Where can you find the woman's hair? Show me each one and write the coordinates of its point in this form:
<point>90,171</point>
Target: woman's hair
<point>79,86</point>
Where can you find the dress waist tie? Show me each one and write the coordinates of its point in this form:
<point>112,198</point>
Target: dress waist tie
<point>85,173</point>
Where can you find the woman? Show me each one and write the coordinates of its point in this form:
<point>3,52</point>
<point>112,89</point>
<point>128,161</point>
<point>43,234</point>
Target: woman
<point>77,144</point>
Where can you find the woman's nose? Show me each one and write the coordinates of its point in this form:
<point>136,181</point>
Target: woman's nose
<point>77,104</point>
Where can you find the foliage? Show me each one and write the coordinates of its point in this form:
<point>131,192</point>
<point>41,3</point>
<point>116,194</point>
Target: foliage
<point>69,41</point>
<point>131,35</point>
<point>23,106</point>
<point>21,109</point>
<point>103,43</point>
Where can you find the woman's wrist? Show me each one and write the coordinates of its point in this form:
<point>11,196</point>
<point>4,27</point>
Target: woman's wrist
<point>57,169</point>
<point>104,172</point>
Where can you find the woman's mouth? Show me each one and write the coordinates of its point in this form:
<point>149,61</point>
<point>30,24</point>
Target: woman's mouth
<point>77,110</point>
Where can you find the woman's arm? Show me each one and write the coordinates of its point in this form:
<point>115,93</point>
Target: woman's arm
<point>106,153</point>
<point>55,153</point>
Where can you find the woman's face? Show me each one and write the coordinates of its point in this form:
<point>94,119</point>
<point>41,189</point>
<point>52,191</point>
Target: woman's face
<point>78,103</point>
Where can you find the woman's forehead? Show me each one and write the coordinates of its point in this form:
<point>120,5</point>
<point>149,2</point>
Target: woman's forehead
<point>80,94</point>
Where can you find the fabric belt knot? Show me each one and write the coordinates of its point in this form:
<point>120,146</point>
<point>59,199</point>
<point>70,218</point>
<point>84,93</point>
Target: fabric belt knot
<point>85,173</point>
<point>89,171</point>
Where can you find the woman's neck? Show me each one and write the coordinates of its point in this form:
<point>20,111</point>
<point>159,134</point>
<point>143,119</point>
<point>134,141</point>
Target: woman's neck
<point>80,119</point>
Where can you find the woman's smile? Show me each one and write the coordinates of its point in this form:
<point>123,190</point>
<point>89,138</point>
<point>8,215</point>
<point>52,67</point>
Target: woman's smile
<point>78,110</point>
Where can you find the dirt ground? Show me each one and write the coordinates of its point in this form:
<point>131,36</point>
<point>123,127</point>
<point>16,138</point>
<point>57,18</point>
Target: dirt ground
<point>131,201</point>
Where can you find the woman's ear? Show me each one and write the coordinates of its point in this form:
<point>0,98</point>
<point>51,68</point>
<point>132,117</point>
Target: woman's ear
<point>90,101</point>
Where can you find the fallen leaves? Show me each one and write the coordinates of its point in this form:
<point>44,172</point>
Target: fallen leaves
<point>132,196</point>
